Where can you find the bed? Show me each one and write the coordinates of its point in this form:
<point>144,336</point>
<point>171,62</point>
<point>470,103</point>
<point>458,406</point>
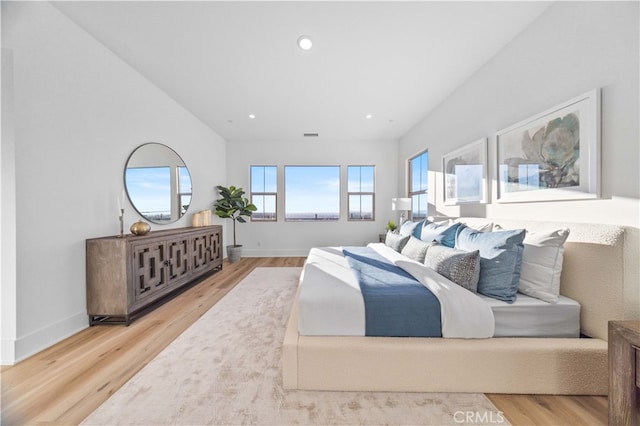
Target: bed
<point>330,358</point>
<point>332,304</point>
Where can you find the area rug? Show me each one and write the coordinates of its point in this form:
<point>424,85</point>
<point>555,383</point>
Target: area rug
<point>226,369</point>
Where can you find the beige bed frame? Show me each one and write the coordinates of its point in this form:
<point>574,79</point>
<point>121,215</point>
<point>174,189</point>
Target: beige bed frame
<point>592,274</point>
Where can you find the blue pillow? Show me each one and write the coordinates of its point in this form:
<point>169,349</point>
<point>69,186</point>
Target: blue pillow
<point>500,260</point>
<point>444,234</point>
<point>411,228</point>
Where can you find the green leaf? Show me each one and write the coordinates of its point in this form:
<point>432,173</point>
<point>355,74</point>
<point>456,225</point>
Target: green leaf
<point>232,205</point>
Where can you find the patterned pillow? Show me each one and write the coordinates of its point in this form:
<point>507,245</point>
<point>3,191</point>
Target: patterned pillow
<point>415,249</point>
<point>396,241</point>
<point>461,267</point>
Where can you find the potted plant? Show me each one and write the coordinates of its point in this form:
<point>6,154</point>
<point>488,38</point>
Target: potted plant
<point>391,226</point>
<point>234,206</point>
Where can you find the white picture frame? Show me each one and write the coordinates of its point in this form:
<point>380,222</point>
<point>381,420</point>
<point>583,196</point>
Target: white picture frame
<point>554,155</point>
<point>465,175</point>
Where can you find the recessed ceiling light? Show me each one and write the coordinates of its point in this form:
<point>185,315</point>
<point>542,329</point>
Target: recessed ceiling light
<point>304,42</point>
<point>368,116</point>
<point>252,116</point>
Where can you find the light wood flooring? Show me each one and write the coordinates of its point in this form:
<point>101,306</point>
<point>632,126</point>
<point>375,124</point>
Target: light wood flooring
<point>66,382</point>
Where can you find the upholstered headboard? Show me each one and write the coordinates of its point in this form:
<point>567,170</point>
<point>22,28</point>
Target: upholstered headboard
<point>593,268</point>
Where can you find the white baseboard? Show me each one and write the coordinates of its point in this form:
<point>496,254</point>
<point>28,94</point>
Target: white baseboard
<point>34,342</point>
<point>275,252</point>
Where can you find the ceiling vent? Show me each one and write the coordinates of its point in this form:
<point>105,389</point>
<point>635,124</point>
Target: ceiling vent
<point>310,135</point>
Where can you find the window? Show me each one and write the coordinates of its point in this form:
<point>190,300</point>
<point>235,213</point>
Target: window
<point>418,169</point>
<point>264,192</point>
<point>184,189</point>
<point>312,193</point>
<point>361,192</point>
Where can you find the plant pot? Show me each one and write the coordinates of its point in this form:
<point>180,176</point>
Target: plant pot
<point>234,253</point>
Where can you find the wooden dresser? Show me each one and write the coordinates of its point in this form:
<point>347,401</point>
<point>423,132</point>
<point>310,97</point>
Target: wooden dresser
<point>624,372</point>
<point>127,274</point>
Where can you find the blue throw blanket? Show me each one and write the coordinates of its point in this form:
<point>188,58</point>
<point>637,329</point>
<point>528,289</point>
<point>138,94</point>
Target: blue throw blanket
<point>395,303</point>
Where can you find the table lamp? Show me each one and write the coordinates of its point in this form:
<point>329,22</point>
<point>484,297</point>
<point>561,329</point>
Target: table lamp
<point>401,204</point>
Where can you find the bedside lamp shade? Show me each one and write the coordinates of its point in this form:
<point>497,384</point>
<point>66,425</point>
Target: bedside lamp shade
<point>403,204</point>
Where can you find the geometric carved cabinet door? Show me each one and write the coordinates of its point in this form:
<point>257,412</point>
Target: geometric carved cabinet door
<point>214,245</point>
<point>199,256</point>
<point>149,269</point>
<point>178,258</point>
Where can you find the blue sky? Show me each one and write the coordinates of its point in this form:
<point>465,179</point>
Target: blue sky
<point>264,178</point>
<point>150,187</point>
<point>313,189</point>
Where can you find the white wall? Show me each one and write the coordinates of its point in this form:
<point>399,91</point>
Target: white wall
<point>295,238</point>
<point>572,48</point>
<point>7,213</point>
<point>79,112</point>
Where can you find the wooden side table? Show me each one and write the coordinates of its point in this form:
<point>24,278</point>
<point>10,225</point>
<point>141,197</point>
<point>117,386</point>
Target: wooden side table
<point>624,372</point>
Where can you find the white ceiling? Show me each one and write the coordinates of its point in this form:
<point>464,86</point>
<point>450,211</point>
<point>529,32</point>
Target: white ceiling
<point>225,60</point>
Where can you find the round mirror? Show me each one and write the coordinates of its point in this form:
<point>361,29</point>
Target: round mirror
<point>158,183</point>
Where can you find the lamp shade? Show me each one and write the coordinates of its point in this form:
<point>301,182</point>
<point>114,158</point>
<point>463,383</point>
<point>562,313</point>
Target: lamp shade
<point>401,204</point>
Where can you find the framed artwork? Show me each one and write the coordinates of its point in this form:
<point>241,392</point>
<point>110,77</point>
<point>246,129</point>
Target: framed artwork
<point>465,174</point>
<point>554,155</point>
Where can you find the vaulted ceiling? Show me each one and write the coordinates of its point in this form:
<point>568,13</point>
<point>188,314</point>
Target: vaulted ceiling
<point>225,61</point>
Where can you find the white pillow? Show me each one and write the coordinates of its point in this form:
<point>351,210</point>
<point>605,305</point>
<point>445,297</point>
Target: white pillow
<point>415,249</point>
<point>542,264</point>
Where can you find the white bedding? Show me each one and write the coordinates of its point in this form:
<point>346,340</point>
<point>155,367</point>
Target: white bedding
<point>530,317</point>
<point>331,303</point>
<point>330,299</point>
